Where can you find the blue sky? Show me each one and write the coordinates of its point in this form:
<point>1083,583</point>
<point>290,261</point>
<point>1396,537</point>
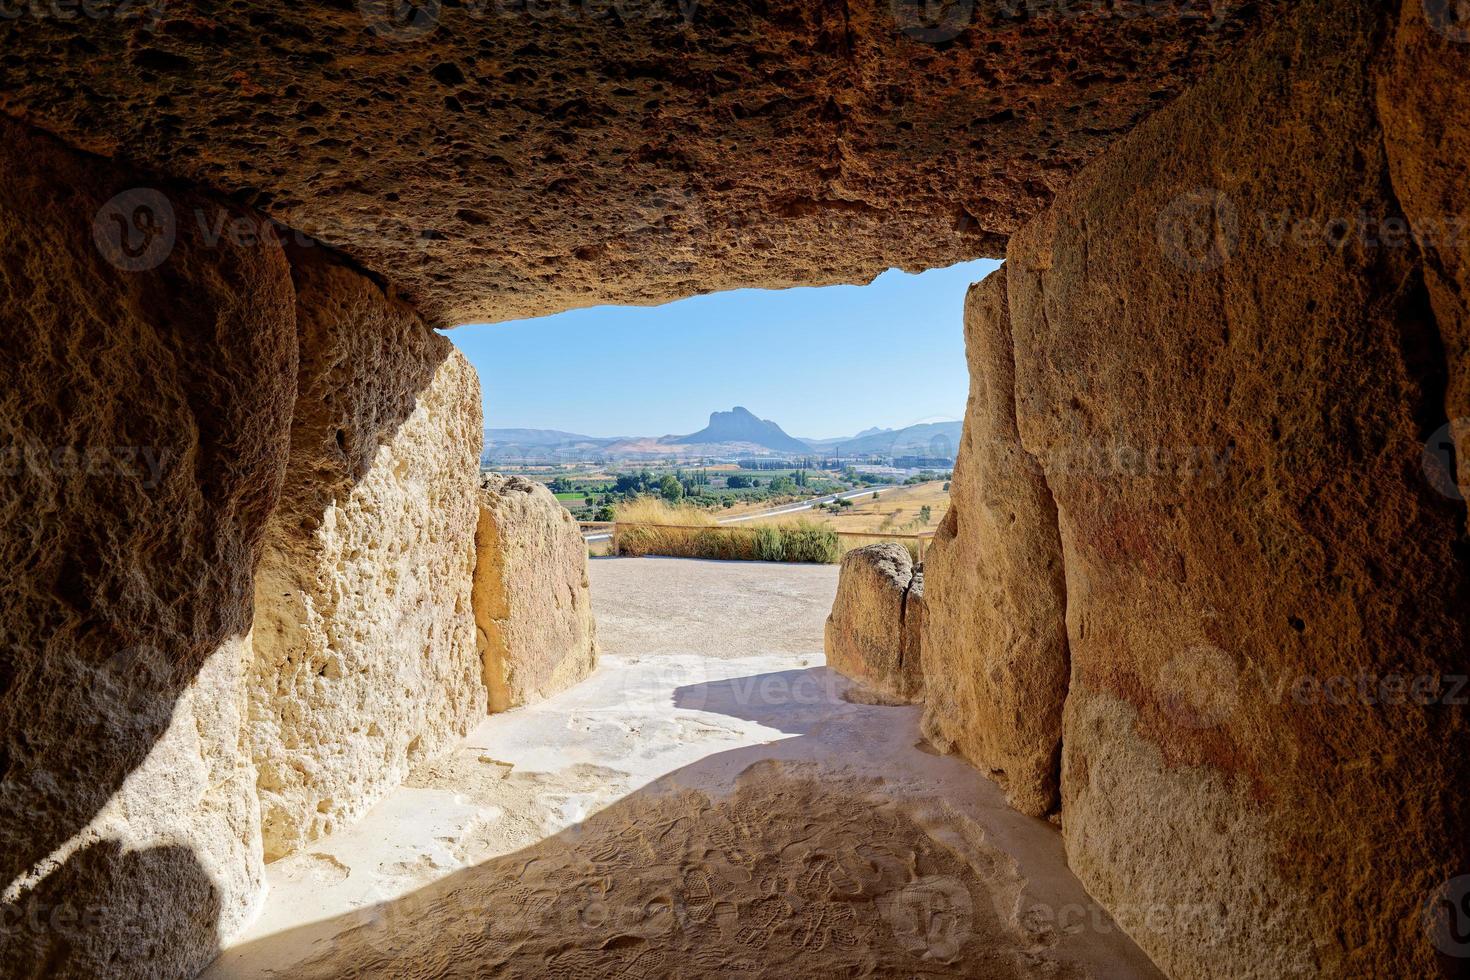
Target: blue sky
<point>821,362</point>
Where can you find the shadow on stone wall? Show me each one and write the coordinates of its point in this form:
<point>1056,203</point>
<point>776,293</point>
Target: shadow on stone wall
<point>143,417</point>
<point>367,562</point>
<point>146,428</point>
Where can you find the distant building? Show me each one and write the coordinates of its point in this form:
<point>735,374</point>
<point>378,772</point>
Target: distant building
<point>923,462</point>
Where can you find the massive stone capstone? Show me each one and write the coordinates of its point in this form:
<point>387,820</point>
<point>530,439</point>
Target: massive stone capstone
<point>502,159</point>
<point>995,637</point>
<point>533,611</point>
<point>365,661</point>
<point>146,383</point>
<point>1228,362</point>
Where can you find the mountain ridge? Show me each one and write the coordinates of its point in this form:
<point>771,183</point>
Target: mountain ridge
<point>741,425</point>
<point>738,430</point>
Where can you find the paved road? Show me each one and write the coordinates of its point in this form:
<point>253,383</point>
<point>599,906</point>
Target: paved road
<point>777,512</point>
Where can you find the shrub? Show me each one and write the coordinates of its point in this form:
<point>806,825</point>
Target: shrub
<point>769,544</point>
<point>652,533</point>
<point>807,542</point>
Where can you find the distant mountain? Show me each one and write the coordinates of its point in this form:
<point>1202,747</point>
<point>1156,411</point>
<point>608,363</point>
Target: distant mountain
<point>540,445</point>
<point>924,439</point>
<point>533,437</point>
<point>739,425</point>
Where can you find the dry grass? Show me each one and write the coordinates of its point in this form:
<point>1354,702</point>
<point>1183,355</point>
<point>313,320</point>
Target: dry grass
<point>653,510</point>
<point>688,532</point>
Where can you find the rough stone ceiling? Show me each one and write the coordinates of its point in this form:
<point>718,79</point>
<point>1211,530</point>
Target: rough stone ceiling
<point>497,159</point>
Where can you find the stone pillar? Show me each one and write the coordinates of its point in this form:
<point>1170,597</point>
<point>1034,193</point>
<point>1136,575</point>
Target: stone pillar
<point>874,634</point>
<point>365,661</point>
<point>147,373</point>
<point>533,610</point>
<point>995,643</point>
<point>1229,373</point>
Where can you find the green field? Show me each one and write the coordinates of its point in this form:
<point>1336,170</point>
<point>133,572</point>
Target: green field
<point>590,493</point>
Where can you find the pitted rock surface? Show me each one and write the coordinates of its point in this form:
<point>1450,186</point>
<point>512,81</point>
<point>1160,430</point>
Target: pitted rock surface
<point>497,159</point>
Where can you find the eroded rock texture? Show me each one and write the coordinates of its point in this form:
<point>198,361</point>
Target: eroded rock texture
<point>533,613</point>
<point>1229,380</point>
<point>365,660</point>
<point>144,399</point>
<point>995,642</point>
<point>1428,141</point>
<point>875,630</point>
<point>502,159</point>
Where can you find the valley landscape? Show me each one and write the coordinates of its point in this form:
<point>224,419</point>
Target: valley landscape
<point>729,435</point>
<point>740,465</point>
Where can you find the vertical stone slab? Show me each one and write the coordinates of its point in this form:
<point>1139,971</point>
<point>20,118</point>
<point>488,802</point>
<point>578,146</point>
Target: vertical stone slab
<point>147,374</point>
<point>874,633</point>
<point>365,660</point>
<point>1421,100</point>
<point>1262,765</point>
<point>533,609</point>
<point>995,640</point>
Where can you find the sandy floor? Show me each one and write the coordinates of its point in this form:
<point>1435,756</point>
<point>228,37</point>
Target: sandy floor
<point>708,804</point>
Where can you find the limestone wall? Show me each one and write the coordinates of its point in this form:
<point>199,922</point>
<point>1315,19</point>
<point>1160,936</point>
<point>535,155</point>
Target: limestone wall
<point>146,378</point>
<point>1420,86</point>
<point>533,612</point>
<point>1228,365</point>
<point>365,657</point>
<point>996,629</point>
